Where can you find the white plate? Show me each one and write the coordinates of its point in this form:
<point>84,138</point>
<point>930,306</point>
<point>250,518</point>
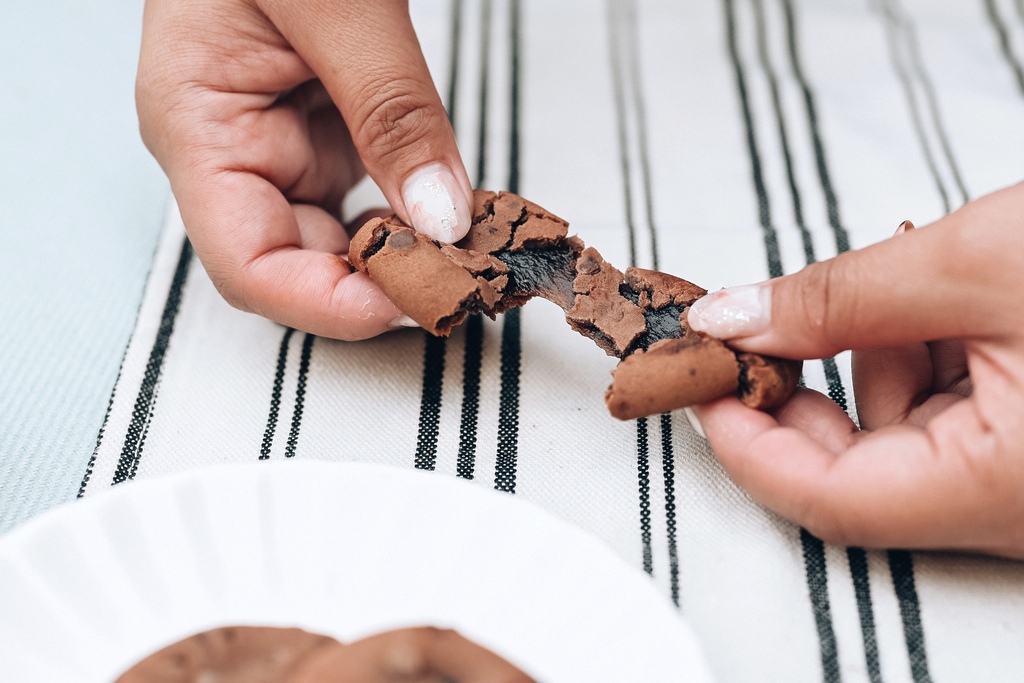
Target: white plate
<point>344,549</point>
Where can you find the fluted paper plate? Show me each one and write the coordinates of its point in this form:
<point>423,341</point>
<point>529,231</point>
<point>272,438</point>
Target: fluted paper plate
<point>343,549</point>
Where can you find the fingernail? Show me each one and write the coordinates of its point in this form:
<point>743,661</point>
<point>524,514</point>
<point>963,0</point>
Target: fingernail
<point>435,204</point>
<point>691,417</point>
<point>905,226</point>
<point>734,312</point>
<point>402,321</point>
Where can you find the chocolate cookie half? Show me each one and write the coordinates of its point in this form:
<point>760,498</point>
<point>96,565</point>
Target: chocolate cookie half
<point>266,654</point>
<point>515,250</point>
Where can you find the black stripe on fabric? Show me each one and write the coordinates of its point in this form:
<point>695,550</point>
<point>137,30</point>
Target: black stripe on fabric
<point>643,466</point>
<point>300,395</point>
<point>511,331</point>
<point>619,98</point>
<point>473,345</point>
<point>640,108</point>
<point>430,401</point>
<point>859,572</point>
<point>780,121</point>
<point>839,232</point>
<point>817,585</point>
<point>642,440</point>
<point>471,362</point>
<point>145,401</point>
<point>453,60</point>
<point>813,548</point>
<point>667,451</point>
<point>903,76</point>
<point>435,348</point>
<point>668,464</point>
<point>911,613</point>
<point>103,427</point>
<point>858,560</point>
<point>275,395</point>
<point>485,70</point>
<point>514,50</point>
<point>508,404</point>
<point>1003,35</point>
<point>917,61</point>
<point>901,565</point>
<point>836,390</point>
<point>110,404</point>
<point>771,238</point>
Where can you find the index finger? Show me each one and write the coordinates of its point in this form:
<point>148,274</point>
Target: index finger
<point>369,59</point>
<point>947,280</point>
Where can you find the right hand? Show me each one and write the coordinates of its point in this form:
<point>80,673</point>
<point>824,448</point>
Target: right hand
<point>936,320</point>
<point>263,114</point>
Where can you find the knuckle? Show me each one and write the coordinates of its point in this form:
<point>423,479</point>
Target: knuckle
<point>229,279</point>
<point>821,292</point>
<point>393,119</point>
<point>232,292</point>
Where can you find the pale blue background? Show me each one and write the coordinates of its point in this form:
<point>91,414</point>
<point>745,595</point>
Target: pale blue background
<point>81,204</point>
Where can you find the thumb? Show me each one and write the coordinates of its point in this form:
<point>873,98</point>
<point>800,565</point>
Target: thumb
<point>368,57</point>
<point>921,285</point>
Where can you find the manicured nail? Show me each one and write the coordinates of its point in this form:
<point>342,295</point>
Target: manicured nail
<point>691,417</point>
<point>734,312</point>
<point>905,226</point>
<point>435,204</point>
<point>402,321</point>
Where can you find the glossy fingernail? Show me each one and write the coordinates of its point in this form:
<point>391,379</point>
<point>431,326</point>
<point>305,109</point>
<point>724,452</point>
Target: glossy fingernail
<point>734,312</point>
<point>435,204</point>
<point>402,321</point>
<point>905,226</point>
<point>691,417</point>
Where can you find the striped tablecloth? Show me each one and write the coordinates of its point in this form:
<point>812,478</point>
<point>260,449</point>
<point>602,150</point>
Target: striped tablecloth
<point>722,140</point>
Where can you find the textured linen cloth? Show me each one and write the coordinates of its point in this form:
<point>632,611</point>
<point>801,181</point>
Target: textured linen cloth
<point>723,141</point>
<point>81,209</point>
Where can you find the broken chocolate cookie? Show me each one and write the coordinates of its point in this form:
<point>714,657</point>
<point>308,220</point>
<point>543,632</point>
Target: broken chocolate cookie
<point>515,250</point>
<point>267,654</point>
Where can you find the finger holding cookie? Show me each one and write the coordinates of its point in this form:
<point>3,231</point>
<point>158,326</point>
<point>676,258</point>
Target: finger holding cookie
<point>937,328</point>
<point>264,114</point>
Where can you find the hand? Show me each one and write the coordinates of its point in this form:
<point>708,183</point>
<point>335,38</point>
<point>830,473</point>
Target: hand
<point>263,114</point>
<point>936,320</point>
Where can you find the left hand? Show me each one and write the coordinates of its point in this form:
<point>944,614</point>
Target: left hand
<point>264,114</point>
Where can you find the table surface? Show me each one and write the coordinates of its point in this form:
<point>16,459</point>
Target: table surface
<point>81,206</point>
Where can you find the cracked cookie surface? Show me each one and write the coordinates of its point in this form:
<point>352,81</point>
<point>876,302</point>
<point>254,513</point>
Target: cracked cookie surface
<point>516,250</point>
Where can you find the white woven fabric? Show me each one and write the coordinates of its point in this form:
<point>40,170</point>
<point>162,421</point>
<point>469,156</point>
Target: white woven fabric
<point>671,122</point>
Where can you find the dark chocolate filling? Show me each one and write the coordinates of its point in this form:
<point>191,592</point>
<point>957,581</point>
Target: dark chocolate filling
<point>600,338</point>
<point>376,246</point>
<point>661,324</point>
<point>628,292</point>
<point>548,272</point>
<point>622,313</point>
<point>744,387</point>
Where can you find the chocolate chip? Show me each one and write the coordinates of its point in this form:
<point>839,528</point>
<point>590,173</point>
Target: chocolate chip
<point>401,239</point>
<point>589,266</point>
